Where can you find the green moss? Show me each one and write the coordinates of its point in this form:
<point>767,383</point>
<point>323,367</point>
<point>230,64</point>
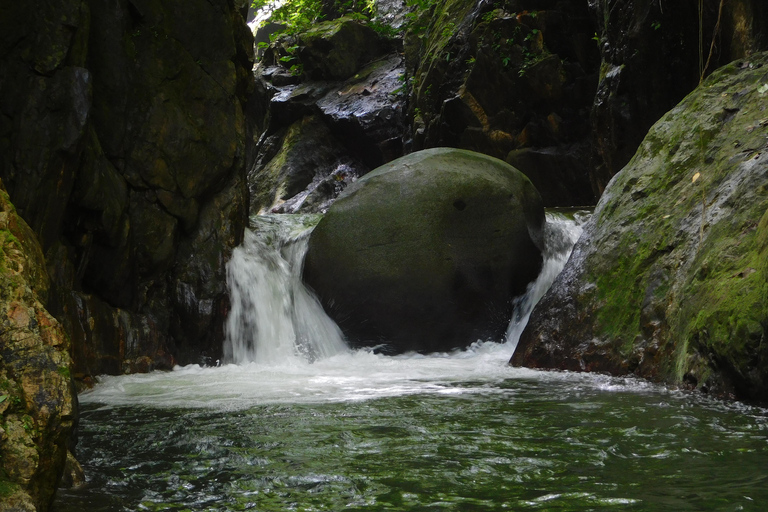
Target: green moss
<point>620,292</point>
<point>7,488</point>
<point>726,301</point>
<point>64,372</point>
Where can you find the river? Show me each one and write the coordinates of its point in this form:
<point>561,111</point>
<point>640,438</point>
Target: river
<point>306,427</point>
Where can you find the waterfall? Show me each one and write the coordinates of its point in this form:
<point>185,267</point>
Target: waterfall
<point>274,318</point>
<point>560,235</point>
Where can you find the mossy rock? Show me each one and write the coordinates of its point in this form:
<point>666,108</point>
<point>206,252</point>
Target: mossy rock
<point>427,252</point>
<point>38,406</point>
<point>669,280</point>
<point>337,49</point>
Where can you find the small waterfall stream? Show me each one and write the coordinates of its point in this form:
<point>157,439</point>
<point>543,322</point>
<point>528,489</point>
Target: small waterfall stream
<point>560,235</point>
<point>275,318</point>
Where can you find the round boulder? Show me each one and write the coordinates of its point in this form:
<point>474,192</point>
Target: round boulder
<point>427,252</point>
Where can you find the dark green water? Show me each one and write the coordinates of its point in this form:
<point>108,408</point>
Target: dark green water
<point>514,440</point>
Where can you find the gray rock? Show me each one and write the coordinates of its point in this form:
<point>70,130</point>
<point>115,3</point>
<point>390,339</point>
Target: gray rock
<point>427,252</point>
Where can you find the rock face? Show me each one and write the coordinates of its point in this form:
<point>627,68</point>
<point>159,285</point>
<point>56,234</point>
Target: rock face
<point>670,278</point>
<point>427,252</point>
<point>652,57</point>
<point>37,398</point>
<point>514,80</point>
<point>328,108</point>
<point>123,146</point>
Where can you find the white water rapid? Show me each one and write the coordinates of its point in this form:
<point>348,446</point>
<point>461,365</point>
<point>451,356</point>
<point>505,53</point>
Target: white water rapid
<point>282,348</point>
<point>274,317</point>
<point>560,235</point>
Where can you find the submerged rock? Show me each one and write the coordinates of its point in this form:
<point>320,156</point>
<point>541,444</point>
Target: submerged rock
<point>670,278</point>
<point>38,407</point>
<point>427,252</point>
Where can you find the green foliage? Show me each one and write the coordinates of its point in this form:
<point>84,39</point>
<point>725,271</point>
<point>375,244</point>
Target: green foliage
<point>300,15</point>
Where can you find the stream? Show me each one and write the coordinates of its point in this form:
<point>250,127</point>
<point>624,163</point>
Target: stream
<point>294,420</point>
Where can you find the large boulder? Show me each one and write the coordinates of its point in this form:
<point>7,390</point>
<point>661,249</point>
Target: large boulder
<point>670,278</point>
<point>427,252</point>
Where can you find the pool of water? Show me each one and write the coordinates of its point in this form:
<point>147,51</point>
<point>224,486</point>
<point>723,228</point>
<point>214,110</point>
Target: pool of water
<point>366,432</point>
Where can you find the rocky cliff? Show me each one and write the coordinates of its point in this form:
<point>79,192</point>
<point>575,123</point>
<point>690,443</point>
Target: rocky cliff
<point>652,54</point>
<point>123,146</point>
<point>38,406</point>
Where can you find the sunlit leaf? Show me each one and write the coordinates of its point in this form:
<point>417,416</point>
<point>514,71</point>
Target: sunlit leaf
<point>696,177</point>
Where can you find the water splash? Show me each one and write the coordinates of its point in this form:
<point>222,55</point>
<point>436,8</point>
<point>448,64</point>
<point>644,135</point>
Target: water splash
<point>274,317</point>
<point>561,232</point>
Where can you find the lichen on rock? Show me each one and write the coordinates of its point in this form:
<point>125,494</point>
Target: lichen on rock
<point>37,400</point>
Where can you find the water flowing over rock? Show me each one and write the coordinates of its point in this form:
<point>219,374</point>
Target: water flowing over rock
<point>274,317</point>
<point>38,406</point>
<point>427,252</point>
<point>123,146</point>
<point>669,279</point>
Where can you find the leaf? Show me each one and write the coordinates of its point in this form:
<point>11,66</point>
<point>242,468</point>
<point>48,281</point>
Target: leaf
<point>696,177</point>
<point>763,89</point>
<point>3,398</point>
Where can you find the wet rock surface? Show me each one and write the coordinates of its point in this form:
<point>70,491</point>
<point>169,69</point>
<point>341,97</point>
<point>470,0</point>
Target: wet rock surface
<point>427,252</point>
<point>669,280</point>
<point>38,406</point>
<point>323,115</point>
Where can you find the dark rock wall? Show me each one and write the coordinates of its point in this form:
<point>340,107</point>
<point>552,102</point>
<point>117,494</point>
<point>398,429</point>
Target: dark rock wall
<point>123,145</point>
<point>511,79</point>
<point>652,56</point>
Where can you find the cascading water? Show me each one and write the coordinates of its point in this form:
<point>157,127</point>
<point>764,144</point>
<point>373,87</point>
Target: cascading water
<point>560,235</point>
<point>274,317</point>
